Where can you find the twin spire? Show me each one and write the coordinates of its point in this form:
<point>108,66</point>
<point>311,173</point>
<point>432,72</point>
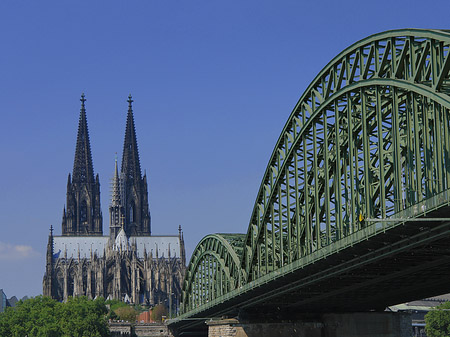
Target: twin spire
<point>129,195</point>
<point>83,170</point>
<point>130,159</point>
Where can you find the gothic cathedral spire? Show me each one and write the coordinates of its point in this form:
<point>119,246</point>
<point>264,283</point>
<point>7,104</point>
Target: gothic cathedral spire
<point>83,170</point>
<point>135,194</point>
<point>83,215</point>
<point>130,157</point>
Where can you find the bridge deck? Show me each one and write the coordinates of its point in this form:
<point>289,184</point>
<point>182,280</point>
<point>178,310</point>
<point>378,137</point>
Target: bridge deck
<point>386,265</point>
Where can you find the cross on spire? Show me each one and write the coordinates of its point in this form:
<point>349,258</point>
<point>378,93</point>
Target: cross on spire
<point>130,100</point>
<point>82,99</point>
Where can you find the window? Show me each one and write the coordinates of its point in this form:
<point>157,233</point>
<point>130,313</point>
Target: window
<point>131,213</point>
<point>83,212</point>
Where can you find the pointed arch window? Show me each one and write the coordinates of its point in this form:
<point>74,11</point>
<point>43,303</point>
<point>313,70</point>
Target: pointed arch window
<point>132,213</point>
<point>83,212</point>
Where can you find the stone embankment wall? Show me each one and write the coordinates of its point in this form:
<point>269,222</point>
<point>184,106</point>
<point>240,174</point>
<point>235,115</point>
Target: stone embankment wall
<point>375,324</point>
<point>125,329</point>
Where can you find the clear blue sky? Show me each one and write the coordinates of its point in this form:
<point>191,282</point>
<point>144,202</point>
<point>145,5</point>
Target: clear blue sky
<point>213,83</point>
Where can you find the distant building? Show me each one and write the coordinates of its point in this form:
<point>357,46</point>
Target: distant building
<point>130,264</point>
<point>145,317</point>
<point>3,301</point>
<point>13,300</point>
<point>418,309</point>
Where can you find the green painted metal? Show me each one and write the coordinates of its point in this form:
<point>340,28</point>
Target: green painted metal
<point>369,139</point>
<point>214,269</point>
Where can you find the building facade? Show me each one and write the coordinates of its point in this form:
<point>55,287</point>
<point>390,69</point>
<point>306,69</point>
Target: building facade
<point>3,301</point>
<point>129,264</point>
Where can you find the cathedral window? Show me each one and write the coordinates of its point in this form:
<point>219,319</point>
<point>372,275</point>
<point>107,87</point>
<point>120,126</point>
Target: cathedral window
<point>132,213</point>
<point>83,212</point>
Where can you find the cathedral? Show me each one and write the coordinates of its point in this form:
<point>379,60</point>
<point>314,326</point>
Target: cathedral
<point>130,264</point>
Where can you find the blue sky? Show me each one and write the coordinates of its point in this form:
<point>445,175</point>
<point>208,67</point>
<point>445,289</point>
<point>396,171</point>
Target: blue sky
<point>213,83</point>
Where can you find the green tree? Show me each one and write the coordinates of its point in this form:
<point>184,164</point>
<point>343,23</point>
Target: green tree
<point>112,315</point>
<point>33,317</point>
<point>115,304</point>
<point>44,317</point>
<point>437,321</point>
<point>158,312</point>
<point>126,313</point>
<point>81,317</point>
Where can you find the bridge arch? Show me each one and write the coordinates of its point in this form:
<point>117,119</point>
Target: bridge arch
<point>368,140</point>
<point>214,269</point>
<point>371,98</point>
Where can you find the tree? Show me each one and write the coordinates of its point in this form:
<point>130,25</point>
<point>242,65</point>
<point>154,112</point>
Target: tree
<point>112,315</point>
<point>115,304</point>
<point>84,318</point>
<point>126,313</point>
<point>45,317</point>
<point>438,321</point>
<point>158,312</point>
<point>33,317</point>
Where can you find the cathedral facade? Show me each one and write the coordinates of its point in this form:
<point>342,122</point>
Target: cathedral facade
<point>129,264</point>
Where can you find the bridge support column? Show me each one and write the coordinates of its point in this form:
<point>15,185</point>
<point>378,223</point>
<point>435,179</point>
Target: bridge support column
<point>373,324</point>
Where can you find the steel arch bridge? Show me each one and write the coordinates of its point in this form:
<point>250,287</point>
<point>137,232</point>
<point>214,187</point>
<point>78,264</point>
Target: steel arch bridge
<point>352,211</point>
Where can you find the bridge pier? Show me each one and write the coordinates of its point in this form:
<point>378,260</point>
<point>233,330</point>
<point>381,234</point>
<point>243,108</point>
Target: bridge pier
<point>373,324</point>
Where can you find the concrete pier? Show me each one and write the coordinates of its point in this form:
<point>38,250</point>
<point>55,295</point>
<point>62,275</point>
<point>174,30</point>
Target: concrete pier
<point>373,324</point>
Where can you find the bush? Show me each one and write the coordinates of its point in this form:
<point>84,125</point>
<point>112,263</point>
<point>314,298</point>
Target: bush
<point>126,313</point>
<point>438,321</point>
<point>158,312</point>
<point>115,304</point>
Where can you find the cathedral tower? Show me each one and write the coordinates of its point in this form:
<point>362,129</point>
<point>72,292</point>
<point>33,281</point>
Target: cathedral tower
<point>83,215</point>
<point>134,186</point>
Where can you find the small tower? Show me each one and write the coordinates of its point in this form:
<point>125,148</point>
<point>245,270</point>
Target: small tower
<point>182,249</point>
<point>135,194</point>
<point>48,276</point>
<point>115,209</point>
<point>83,214</point>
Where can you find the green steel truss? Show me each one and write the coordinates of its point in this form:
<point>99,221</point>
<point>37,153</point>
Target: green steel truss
<point>214,269</point>
<point>369,139</point>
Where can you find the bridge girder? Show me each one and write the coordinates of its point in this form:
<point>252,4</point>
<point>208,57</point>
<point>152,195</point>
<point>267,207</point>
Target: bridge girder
<point>369,139</point>
<point>214,269</point>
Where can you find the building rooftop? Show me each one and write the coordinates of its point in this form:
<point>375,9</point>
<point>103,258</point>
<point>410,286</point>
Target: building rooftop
<point>83,246</point>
